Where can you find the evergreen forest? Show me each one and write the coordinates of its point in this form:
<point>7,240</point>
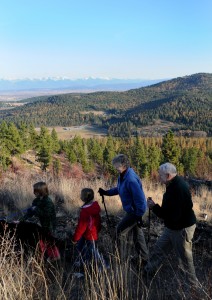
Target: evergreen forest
<point>192,156</point>
<point>184,101</point>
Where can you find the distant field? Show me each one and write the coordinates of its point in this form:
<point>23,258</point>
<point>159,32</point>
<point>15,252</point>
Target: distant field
<point>85,131</point>
<point>11,105</point>
<point>96,113</point>
<point>158,128</point>
<point>6,96</point>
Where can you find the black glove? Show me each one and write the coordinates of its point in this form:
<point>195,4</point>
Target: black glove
<point>102,192</point>
<point>140,222</point>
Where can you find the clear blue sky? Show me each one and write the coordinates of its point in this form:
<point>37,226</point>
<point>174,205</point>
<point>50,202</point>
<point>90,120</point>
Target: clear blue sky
<point>146,39</point>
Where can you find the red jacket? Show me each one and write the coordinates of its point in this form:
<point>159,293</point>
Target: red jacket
<point>89,223</point>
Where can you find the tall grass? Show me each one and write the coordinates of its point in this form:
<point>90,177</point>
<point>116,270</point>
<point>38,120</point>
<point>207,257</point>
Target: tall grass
<point>32,278</point>
<point>16,193</point>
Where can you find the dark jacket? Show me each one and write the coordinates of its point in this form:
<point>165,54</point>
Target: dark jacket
<point>131,193</point>
<point>176,209</point>
<point>44,210</point>
<point>89,223</point>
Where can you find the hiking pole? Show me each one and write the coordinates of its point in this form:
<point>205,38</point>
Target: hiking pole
<point>108,220</point>
<point>103,201</point>
<point>149,220</point>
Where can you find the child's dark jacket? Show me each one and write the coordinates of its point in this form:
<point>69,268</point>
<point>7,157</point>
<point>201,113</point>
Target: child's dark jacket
<point>45,211</point>
<point>89,223</point>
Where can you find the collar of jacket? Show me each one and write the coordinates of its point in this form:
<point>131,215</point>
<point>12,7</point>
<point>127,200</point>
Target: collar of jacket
<point>122,175</point>
<point>172,180</point>
<point>87,204</point>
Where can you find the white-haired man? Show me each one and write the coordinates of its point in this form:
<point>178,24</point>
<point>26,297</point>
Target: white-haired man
<point>179,220</point>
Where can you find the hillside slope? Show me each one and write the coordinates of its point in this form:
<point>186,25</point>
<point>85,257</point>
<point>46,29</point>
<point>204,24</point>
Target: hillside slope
<point>186,101</point>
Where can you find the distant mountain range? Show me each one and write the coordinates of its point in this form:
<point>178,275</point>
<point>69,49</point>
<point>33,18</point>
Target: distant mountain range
<point>93,84</point>
<point>184,102</point>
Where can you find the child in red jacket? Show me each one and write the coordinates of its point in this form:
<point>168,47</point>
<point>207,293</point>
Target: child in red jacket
<point>88,227</point>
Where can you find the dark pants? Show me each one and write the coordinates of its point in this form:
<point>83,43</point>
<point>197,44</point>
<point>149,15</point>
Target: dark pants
<point>88,251</point>
<point>129,224</point>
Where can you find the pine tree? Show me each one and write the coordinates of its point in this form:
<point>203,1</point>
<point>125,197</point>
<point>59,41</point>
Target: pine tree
<point>108,155</point>
<point>71,155</point>
<point>33,137</point>
<point>55,141</point>
<point>44,148</point>
<point>190,161</point>
<point>139,158</point>
<point>24,134</point>
<point>154,159</point>
<point>56,167</point>
<point>44,138</point>
<point>5,158</point>
<point>170,150</point>
<point>13,141</point>
<point>44,157</point>
<point>95,151</point>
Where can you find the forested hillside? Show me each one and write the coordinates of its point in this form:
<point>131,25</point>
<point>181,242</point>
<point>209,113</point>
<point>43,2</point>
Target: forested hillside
<point>192,156</point>
<point>185,101</point>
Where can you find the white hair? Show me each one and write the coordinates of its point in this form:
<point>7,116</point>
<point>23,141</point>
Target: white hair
<point>168,168</point>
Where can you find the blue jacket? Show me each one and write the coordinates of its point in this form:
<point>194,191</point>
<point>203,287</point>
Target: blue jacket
<point>130,190</point>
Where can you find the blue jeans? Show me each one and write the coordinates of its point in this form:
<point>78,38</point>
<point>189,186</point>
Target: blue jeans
<point>88,251</point>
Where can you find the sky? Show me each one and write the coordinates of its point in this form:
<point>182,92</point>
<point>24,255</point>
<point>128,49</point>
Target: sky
<point>127,39</point>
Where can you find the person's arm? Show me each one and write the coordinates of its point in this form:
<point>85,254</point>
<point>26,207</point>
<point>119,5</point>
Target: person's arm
<point>158,211</point>
<point>29,212</point>
<point>111,192</point>
<point>81,226</point>
<point>156,208</point>
<point>138,198</point>
<point>171,208</point>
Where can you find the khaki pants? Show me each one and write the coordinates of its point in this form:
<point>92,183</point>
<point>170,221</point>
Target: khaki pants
<point>127,226</point>
<point>181,242</point>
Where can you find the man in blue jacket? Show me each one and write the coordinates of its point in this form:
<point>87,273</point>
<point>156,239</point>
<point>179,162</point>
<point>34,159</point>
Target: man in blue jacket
<point>130,190</point>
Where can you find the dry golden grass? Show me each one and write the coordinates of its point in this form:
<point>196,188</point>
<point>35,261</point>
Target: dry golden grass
<point>28,278</point>
<point>203,204</point>
<point>20,279</point>
<point>18,190</point>
<point>31,279</point>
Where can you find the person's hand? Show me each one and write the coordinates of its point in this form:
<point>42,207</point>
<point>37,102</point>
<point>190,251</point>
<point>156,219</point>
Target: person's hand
<point>139,222</point>
<point>150,203</point>
<point>31,210</point>
<point>102,192</point>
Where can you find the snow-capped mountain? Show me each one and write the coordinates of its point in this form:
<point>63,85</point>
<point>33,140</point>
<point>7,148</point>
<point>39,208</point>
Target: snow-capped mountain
<point>73,84</point>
